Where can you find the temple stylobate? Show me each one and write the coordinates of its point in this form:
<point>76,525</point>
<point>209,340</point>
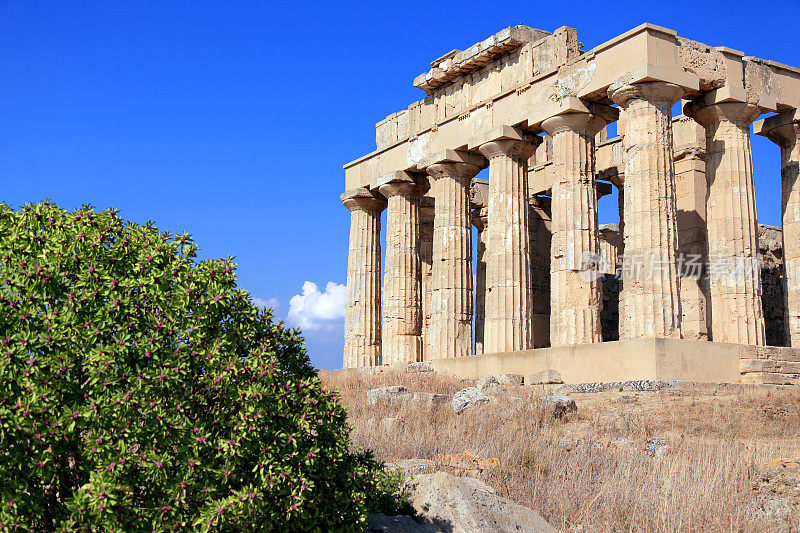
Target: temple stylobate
<point>674,291</point>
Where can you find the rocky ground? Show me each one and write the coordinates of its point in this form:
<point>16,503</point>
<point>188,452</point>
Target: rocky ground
<point>654,456</point>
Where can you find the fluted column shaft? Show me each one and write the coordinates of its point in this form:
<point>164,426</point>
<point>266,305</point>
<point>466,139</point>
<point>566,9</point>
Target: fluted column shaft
<point>480,221</point>
<point>402,285</point>
<point>733,261</point>
<point>575,297</point>
<point>426,214</point>
<point>362,319</point>
<point>451,296</point>
<point>650,299</point>
<point>509,310</point>
<point>787,137</point>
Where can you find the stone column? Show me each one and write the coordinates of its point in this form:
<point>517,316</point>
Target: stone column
<point>451,299</point>
<point>480,221</point>
<point>650,300</point>
<point>402,285</point>
<point>362,318</point>
<point>426,214</point>
<point>691,189</point>
<point>733,261</point>
<point>575,294</point>
<point>509,310</point>
<point>784,130</point>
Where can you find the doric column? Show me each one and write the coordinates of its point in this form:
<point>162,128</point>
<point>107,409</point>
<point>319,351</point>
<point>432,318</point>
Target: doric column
<point>480,219</point>
<point>575,294</point>
<point>784,130</point>
<point>426,215</point>
<point>402,282</point>
<point>362,318</point>
<point>650,299</point>
<point>509,311</point>
<point>451,300</point>
<point>691,189</point>
<point>733,261</point>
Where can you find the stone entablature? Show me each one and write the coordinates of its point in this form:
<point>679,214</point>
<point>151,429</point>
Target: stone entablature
<point>508,89</point>
<point>533,107</point>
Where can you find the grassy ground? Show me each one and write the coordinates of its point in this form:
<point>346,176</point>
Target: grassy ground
<point>591,470</point>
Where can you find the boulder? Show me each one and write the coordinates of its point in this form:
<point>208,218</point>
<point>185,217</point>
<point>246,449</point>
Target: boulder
<point>497,383</point>
<point>562,405</point>
<point>395,393</point>
<point>467,399</point>
<point>544,377</point>
<point>465,505</point>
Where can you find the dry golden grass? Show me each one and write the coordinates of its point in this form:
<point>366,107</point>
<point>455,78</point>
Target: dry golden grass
<point>719,437</point>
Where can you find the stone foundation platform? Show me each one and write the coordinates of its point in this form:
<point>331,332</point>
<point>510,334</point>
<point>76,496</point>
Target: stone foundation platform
<point>627,360</point>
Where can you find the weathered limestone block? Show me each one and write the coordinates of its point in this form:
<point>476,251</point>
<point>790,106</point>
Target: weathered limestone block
<point>544,377</point>
<point>451,297</point>
<point>508,314</point>
<point>390,394</point>
<point>468,398</point>
<point>562,405</point>
<point>575,298</point>
<point>735,278</point>
<point>651,287</point>
<point>362,319</point>
<point>402,287</point>
<point>498,383</point>
<point>784,130</point>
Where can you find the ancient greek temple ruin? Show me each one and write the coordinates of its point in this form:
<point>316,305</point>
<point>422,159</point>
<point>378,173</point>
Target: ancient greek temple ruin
<point>674,291</point>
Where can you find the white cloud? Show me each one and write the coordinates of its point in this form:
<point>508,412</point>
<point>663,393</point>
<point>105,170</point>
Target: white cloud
<point>269,302</point>
<point>314,309</point>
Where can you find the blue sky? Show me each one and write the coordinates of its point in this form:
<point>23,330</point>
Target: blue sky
<point>232,120</point>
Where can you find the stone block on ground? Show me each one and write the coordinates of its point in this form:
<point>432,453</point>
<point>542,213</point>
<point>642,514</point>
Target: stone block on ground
<point>562,405</point>
<point>391,394</point>
<point>544,377</point>
<point>468,398</point>
<point>498,383</point>
<point>466,505</point>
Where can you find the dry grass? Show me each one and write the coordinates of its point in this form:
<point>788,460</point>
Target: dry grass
<point>718,437</point>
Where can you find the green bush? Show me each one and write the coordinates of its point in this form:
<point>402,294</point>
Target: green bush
<point>141,389</point>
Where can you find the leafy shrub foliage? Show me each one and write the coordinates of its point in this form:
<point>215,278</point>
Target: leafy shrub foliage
<point>141,389</point>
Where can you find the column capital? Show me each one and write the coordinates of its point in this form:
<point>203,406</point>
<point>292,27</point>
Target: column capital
<point>650,91</point>
<point>782,129</point>
<point>401,182</point>
<point>505,140</point>
<point>363,199</point>
<point>572,114</point>
<point>740,113</point>
<point>453,163</point>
